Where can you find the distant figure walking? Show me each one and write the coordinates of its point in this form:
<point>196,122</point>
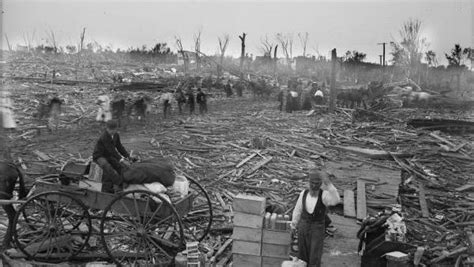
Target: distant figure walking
<point>202,101</point>
<point>191,101</point>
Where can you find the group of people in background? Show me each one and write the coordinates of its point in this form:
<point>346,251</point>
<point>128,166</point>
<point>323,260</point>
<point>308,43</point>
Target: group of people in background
<point>188,99</point>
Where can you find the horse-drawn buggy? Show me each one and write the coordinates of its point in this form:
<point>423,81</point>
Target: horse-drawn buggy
<point>62,221</point>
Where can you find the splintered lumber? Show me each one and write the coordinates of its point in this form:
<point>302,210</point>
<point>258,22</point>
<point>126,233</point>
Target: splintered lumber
<point>361,200</point>
<point>371,153</point>
<point>41,155</point>
<point>300,148</point>
<point>245,160</point>
<point>56,242</point>
<point>249,204</point>
<point>349,205</point>
<point>222,248</point>
<point>449,254</point>
<point>424,207</point>
<point>464,187</point>
<point>259,165</point>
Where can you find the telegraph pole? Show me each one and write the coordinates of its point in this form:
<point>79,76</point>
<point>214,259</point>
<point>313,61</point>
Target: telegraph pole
<point>381,58</point>
<point>383,53</point>
<point>332,92</point>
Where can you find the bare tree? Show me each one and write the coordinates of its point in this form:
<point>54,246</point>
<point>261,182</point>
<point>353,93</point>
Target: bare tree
<point>286,44</point>
<point>52,40</point>
<point>81,39</point>
<point>242,53</point>
<point>179,44</point>
<point>197,48</point>
<point>28,39</point>
<point>304,41</point>
<point>8,43</point>
<point>223,43</point>
<point>266,46</point>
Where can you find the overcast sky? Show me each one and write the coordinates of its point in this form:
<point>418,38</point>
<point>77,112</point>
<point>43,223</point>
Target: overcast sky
<point>345,25</point>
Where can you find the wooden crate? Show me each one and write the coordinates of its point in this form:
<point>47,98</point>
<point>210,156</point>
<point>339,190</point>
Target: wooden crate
<point>249,204</point>
<point>247,234</point>
<point>247,248</point>
<point>276,237</point>
<point>273,261</point>
<point>241,260</point>
<point>276,251</point>
<point>248,220</point>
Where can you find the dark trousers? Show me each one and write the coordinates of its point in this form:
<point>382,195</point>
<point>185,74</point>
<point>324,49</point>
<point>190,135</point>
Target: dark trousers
<point>191,108</point>
<point>202,108</point>
<point>310,242</point>
<point>166,108</point>
<point>7,185</point>
<point>112,174</point>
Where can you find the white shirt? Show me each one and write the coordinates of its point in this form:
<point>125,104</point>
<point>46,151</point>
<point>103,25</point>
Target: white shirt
<point>167,96</point>
<point>319,93</point>
<point>330,198</point>
<point>293,94</point>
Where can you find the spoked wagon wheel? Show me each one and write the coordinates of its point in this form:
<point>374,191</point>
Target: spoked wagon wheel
<point>141,228</point>
<point>197,222</point>
<point>52,226</point>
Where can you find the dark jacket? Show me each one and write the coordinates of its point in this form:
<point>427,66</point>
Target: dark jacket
<point>201,98</point>
<point>109,147</point>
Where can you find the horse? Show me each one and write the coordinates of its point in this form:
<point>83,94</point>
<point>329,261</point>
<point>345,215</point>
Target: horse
<point>9,174</point>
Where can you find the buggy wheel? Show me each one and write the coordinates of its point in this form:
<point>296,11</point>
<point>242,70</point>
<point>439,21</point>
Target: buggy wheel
<point>141,228</point>
<point>197,222</point>
<point>51,226</point>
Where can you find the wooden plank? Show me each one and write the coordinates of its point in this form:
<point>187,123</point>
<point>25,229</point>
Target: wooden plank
<point>247,248</point>
<point>248,220</point>
<point>259,165</point>
<point>349,205</point>
<point>464,187</point>
<point>424,206</point>
<point>361,200</point>
<point>240,260</point>
<point>247,234</point>
<point>245,160</point>
<point>250,204</point>
<point>371,153</point>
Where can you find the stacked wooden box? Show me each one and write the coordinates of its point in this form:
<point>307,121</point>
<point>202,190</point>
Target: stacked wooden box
<point>247,235</point>
<point>276,240</point>
<point>258,240</point>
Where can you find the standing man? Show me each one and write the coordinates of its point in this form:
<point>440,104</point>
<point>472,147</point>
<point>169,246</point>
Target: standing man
<point>191,101</point>
<point>112,157</point>
<point>228,89</point>
<point>319,97</point>
<point>202,101</point>
<point>180,98</point>
<point>309,216</point>
<point>166,99</point>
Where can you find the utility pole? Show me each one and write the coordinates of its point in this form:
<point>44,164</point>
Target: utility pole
<point>333,94</point>
<point>381,58</point>
<point>383,53</point>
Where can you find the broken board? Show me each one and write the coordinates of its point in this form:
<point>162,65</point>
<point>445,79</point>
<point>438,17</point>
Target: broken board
<point>361,200</point>
<point>371,153</point>
<point>349,205</point>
